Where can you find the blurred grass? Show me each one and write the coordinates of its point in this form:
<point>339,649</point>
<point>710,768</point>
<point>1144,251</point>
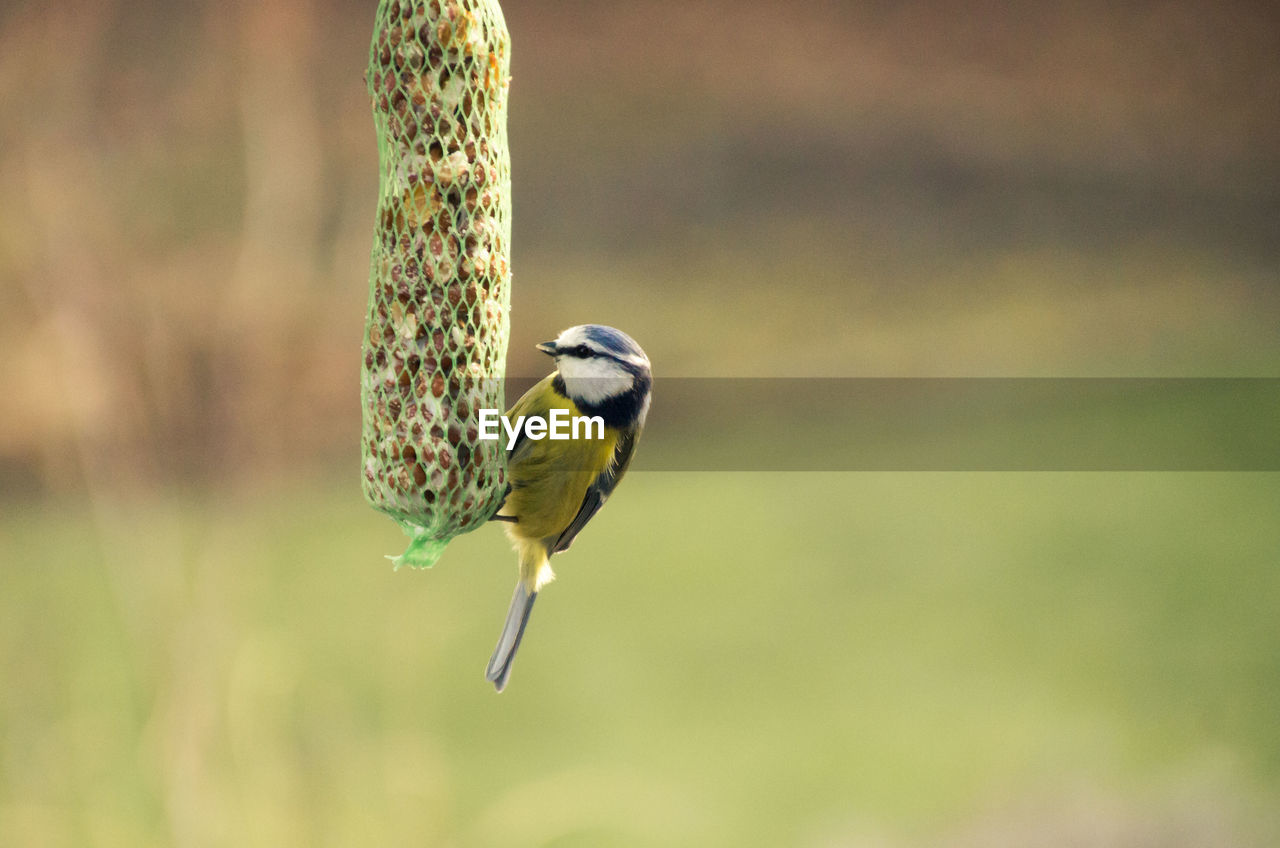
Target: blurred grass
<point>727,659</point>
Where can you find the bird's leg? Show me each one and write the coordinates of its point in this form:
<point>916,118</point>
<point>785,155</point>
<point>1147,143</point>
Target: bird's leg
<point>513,519</point>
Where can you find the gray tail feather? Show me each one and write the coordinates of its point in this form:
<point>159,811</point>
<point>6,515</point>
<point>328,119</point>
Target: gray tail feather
<point>512,632</point>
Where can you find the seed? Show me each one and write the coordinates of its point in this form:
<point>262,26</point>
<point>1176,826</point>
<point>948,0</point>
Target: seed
<point>452,168</point>
<point>420,203</point>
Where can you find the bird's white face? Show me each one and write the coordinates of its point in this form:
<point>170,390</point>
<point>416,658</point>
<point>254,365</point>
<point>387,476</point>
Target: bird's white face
<point>597,376</point>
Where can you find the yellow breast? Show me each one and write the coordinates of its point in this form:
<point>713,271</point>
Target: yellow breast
<point>549,477</point>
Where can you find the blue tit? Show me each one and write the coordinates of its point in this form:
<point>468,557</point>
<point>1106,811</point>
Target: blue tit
<point>557,485</point>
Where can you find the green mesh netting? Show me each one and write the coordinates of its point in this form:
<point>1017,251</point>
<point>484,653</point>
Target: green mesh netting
<point>439,279</point>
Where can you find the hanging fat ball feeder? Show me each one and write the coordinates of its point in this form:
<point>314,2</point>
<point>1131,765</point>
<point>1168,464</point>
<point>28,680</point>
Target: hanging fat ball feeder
<point>436,332</point>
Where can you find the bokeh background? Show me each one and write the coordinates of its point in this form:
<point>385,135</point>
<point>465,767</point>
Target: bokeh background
<point>202,645</point>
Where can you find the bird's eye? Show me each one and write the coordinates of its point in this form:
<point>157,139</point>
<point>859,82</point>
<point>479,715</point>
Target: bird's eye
<point>582,351</point>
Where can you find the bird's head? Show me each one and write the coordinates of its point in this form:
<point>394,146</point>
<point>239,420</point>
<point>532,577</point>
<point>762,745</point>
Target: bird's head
<point>600,365</point>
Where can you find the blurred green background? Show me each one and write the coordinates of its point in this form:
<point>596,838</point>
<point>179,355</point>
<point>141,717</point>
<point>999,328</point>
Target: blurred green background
<point>201,644</point>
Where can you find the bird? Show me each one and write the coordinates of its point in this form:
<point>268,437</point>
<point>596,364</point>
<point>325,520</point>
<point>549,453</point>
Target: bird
<point>557,485</point>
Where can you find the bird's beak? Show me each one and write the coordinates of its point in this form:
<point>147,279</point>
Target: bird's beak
<point>547,348</point>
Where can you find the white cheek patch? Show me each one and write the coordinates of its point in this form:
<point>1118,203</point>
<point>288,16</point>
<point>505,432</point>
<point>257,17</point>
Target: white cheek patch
<point>593,380</point>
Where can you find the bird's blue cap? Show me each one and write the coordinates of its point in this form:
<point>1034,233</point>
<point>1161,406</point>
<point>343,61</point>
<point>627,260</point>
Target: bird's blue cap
<point>612,340</point>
